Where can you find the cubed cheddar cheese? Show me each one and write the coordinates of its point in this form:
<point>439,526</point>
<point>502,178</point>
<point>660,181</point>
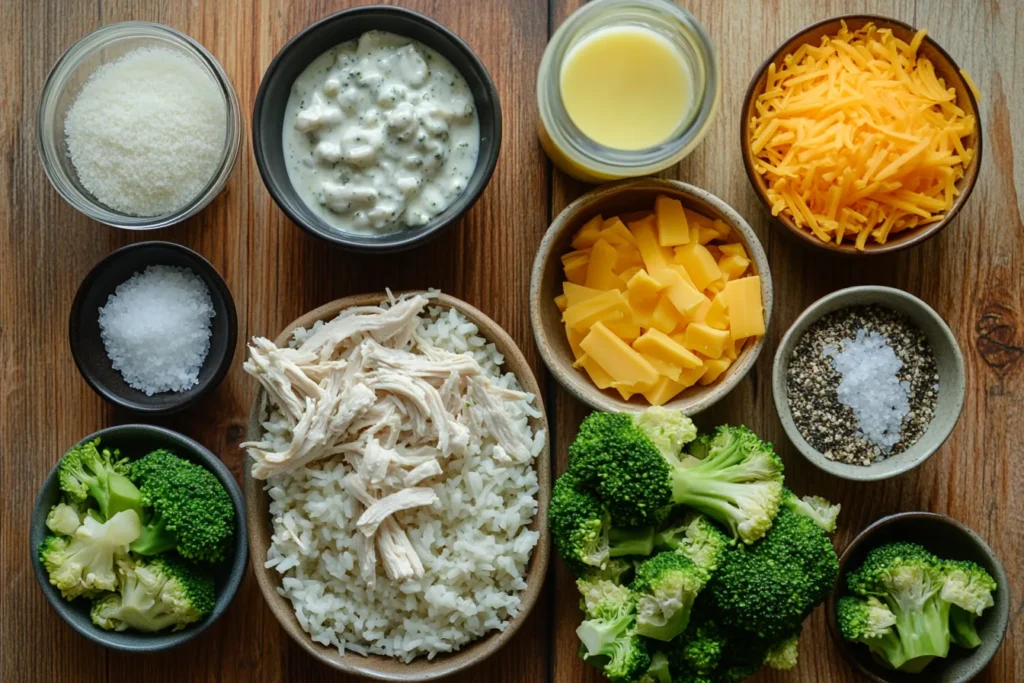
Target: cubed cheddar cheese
<point>664,317</point>
<point>663,391</point>
<point>715,286</point>
<point>691,376</point>
<point>733,349</point>
<point>714,367</point>
<point>574,293</point>
<point>600,378</point>
<point>699,314</point>
<point>699,263</point>
<point>628,257</point>
<point>601,268</point>
<point>617,358</point>
<point>561,302</point>
<point>646,235</point>
<point>660,345</point>
<point>624,329</point>
<point>669,370</point>
<point>696,220</point>
<point>616,233</point>
<point>575,337</point>
<point>626,390</point>
<point>609,305</point>
<point>705,339</point>
<point>642,288</point>
<point>575,266</point>
<point>719,226</point>
<point>717,315</point>
<point>704,235</point>
<point>673,229</point>
<point>734,249</point>
<point>628,274</point>
<point>587,235</point>
<point>733,266</point>
<point>746,313</point>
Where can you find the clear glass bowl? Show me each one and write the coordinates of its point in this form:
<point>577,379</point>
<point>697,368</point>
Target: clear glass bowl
<point>65,81</point>
<point>581,157</point>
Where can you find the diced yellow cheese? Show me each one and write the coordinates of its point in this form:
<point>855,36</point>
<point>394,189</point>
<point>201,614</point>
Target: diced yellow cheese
<point>664,316</point>
<point>617,358</point>
<point>699,314</point>
<point>628,257</point>
<point>719,226</point>
<point>715,252</point>
<point>642,314</point>
<point>624,329</point>
<point>658,344</point>
<point>734,249</point>
<point>626,390</point>
<point>628,274</point>
<point>717,315</point>
<point>682,272</point>
<point>733,266</point>
<point>733,350</point>
<point>574,293</point>
<point>575,266</point>
<point>575,337</point>
<point>609,305</point>
<point>663,391</point>
<point>602,262</point>
<point>672,226</point>
<point>561,302</point>
<point>685,297</point>
<point>706,339</point>
<point>714,367</point>
<point>646,236</point>
<point>666,369</point>
<point>699,263</point>
<point>616,233</point>
<point>705,235</point>
<point>691,376</point>
<point>746,314</point>
<point>600,378</point>
<point>715,286</point>
<point>587,235</point>
<point>696,219</point>
<point>642,288</point>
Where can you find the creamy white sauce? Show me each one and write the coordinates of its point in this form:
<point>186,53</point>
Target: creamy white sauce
<point>380,133</point>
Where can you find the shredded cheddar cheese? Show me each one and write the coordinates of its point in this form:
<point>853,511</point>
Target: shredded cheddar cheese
<point>858,138</point>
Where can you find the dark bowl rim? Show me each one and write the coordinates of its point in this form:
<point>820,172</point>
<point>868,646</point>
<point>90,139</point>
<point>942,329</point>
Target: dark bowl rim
<point>239,564</point>
<point>920,235</point>
<point>864,536</point>
<point>463,202</point>
<point>215,379</point>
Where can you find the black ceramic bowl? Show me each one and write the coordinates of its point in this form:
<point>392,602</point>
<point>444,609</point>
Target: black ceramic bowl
<point>134,441</point>
<point>950,540</point>
<point>87,345</point>
<point>268,118</point>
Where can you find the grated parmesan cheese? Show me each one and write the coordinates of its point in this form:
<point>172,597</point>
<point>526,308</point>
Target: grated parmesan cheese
<point>146,133</point>
<point>859,138</point>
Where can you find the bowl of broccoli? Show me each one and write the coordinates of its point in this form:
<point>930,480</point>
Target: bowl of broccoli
<point>138,538</point>
<point>920,597</point>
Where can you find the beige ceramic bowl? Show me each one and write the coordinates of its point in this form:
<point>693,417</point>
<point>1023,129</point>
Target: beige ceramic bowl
<point>948,361</point>
<point>945,68</point>
<point>635,196</point>
<point>257,504</point>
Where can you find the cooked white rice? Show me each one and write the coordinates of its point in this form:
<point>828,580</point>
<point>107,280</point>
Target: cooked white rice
<point>475,543</point>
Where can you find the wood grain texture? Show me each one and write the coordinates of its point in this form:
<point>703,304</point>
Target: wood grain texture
<point>972,274</point>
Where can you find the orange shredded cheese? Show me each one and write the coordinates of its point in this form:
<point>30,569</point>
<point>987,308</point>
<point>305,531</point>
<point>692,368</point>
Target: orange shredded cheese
<point>858,138</point>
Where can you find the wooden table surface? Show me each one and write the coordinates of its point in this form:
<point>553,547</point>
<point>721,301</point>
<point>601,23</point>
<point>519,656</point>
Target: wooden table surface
<point>971,274</point>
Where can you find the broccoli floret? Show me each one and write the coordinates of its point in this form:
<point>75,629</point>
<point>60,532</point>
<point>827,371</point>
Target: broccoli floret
<point>154,595</point>
<point>738,482</point>
<point>608,634</point>
<point>824,513</point>
<point>767,589</point>
<point>969,588</point>
<point>909,581</point>
<point>697,537</point>
<point>86,472</point>
<point>63,519</point>
<point>617,570</point>
<point>665,588</point>
<point>870,622</point>
<point>191,511</point>
<point>83,564</point>
<point>658,671</point>
<point>697,651</point>
<point>783,655</point>
<point>669,430</point>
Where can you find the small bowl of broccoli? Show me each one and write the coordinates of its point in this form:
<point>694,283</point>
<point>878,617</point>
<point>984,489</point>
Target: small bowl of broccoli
<point>138,538</point>
<point>920,597</point>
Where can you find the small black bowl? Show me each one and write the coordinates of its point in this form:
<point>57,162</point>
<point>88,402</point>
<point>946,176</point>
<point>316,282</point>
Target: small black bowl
<point>272,98</point>
<point>87,345</point>
<point>950,540</point>
<point>134,441</point>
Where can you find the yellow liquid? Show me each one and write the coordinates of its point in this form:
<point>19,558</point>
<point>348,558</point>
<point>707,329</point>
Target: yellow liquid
<point>625,87</point>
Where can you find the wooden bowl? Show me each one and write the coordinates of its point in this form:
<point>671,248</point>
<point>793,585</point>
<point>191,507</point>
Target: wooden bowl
<point>547,277</point>
<point>945,68</point>
<point>257,503</point>
<point>950,540</point>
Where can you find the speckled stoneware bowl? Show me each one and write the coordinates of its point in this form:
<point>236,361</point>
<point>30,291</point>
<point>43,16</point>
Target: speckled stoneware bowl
<point>948,360</point>
<point>632,197</point>
<point>949,539</point>
<point>134,441</point>
<point>258,503</point>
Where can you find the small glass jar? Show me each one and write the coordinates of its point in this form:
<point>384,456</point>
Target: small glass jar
<point>587,160</point>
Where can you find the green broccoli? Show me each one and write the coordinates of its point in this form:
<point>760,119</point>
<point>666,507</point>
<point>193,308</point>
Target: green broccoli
<point>697,537</point>
<point>870,622</point>
<point>738,482</point>
<point>665,588</point>
<point>86,472</point>
<point>581,529</point>
<point>668,429</point>
<point>616,569</point>
<point>83,564</point>
<point>698,651</point>
<point>908,580</point>
<point>824,513</point>
<point>783,655</point>
<point>608,634</point>
<point>64,519</point>
<point>767,589</point>
<point>191,511</point>
<point>969,588</point>
<point>153,595</point>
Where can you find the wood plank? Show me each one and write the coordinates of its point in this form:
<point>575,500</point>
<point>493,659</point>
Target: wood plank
<point>971,274</point>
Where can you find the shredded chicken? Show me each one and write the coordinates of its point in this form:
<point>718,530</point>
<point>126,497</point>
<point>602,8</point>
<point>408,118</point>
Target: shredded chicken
<point>406,499</point>
<point>426,470</point>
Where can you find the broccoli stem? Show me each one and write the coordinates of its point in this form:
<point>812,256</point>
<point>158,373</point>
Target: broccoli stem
<point>122,495</point>
<point>599,636</point>
<point>623,542</point>
<point>155,538</point>
<point>923,629</point>
<point>963,628</point>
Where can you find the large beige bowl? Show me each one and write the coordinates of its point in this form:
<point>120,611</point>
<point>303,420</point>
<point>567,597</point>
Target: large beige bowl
<point>546,283</point>
<point>257,504</point>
